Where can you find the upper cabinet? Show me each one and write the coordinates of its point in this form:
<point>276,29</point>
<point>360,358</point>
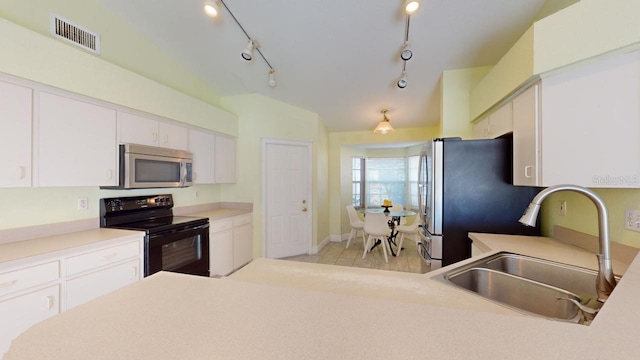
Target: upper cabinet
<point>76,143</point>
<point>581,126</point>
<point>225,159</point>
<point>15,135</point>
<point>496,124</point>
<point>146,131</point>
<point>203,146</point>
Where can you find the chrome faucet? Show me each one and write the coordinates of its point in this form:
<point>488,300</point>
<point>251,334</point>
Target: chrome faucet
<point>605,282</point>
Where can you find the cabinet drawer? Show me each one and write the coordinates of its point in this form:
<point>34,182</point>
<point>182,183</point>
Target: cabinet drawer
<point>22,312</point>
<point>220,225</point>
<point>242,219</point>
<point>103,257</point>
<point>96,284</point>
<point>28,277</point>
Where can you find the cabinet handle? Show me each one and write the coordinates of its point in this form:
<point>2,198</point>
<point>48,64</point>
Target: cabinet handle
<point>48,302</point>
<point>527,171</point>
<point>109,174</point>
<point>134,272</point>
<point>20,172</point>
<point>165,139</point>
<point>8,283</point>
<point>110,256</point>
<point>154,137</point>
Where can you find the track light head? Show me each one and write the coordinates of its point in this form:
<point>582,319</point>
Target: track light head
<point>405,52</point>
<point>402,83</point>
<point>247,53</point>
<point>272,78</point>
<point>411,6</point>
<point>210,8</point>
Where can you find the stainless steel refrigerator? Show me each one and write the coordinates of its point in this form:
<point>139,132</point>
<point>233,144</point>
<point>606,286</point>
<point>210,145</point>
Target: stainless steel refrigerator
<point>466,186</point>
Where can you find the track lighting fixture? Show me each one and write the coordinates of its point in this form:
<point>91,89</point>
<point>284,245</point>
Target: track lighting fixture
<point>384,127</point>
<point>411,6</point>
<point>406,53</point>
<point>272,78</point>
<point>247,53</point>
<point>402,83</point>
<point>210,8</point>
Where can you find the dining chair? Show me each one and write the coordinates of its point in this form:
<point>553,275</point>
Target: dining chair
<point>356,225</point>
<point>408,229</point>
<point>376,226</point>
<point>398,208</point>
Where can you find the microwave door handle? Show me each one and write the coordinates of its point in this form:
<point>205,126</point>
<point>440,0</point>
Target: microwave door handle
<point>183,173</point>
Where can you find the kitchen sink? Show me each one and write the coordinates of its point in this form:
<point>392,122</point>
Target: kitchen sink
<point>529,285</point>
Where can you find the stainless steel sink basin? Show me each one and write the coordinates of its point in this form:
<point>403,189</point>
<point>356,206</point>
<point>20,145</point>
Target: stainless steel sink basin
<point>529,284</point>
<point>523,294</point>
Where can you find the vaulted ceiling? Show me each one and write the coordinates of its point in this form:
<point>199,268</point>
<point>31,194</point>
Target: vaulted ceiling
<point>337,58</point>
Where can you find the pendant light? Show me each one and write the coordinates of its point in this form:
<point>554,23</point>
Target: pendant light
<point>411,6</point>
<point>384,127</point>
<point>210,8</point>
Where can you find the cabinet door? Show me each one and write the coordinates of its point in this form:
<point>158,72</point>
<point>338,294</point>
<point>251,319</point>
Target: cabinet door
<point>225,159</point>
<point>76,143</point>
<point>242,245</point>
<point>22,312</point>
<point>173,136</point>
<point>526,138</point>
<point>221,252</point>
<point>203,147</point>
<point>137,129</point>
<point>15,135</point>
<point>591,124</point>
<point>481,129</point>
<point>500,121</point>
<point>96,284</point>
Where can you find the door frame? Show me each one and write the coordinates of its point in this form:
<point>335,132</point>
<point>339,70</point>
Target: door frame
<point>309,169</point>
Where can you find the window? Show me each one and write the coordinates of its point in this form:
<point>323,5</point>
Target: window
<point>357,182</point>
<point>386,178</point>
<point>413,181</point>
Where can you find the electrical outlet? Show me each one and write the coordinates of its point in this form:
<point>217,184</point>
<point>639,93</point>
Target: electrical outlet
<point>83,203</point>
<point>562,208</point>
<point>632,220</point>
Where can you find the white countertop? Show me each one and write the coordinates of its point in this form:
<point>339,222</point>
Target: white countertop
<point>274,309</point>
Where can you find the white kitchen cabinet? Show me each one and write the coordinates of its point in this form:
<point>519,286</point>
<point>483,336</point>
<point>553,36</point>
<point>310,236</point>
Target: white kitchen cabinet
<point>498,123</point>
<point>583,128</point>
<point>242,240</point>
<point>25,310</point>
<point>526,146</point>
<point>225,159</point>
<point>202,146</point>
<point>28,294</point>
<point>15,135</point>
<point>230,244</point>
<point>39,286</point>
<point>101,271</point>
<point>142,130</point>
<point>76,143</point>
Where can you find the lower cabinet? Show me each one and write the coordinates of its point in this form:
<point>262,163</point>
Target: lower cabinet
<point>90,286</point>
<point>35,290</point>
<point>25,310</point>
<point>230,244</point>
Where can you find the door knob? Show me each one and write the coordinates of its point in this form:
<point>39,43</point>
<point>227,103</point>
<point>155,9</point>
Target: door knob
<point>304,209</point>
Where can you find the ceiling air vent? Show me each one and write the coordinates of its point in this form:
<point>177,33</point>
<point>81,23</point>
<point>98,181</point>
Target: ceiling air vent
<point>75,34</point>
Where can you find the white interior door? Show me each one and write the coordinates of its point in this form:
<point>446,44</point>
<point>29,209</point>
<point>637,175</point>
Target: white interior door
<point>287,198</point>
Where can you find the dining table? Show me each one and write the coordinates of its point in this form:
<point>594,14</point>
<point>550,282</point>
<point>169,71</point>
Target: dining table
<point>394,220</point>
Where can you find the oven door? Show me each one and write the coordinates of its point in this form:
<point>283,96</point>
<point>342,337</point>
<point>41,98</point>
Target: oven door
<point>184,250</point>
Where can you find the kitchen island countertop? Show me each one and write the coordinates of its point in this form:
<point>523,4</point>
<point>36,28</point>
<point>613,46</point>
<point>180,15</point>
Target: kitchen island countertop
<point>337,313</point>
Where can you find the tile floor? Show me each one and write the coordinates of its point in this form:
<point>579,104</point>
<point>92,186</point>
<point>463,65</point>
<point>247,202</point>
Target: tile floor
<point>337,254</point>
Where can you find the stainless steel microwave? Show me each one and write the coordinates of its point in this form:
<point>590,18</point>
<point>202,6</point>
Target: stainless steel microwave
<point>142,166</point>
